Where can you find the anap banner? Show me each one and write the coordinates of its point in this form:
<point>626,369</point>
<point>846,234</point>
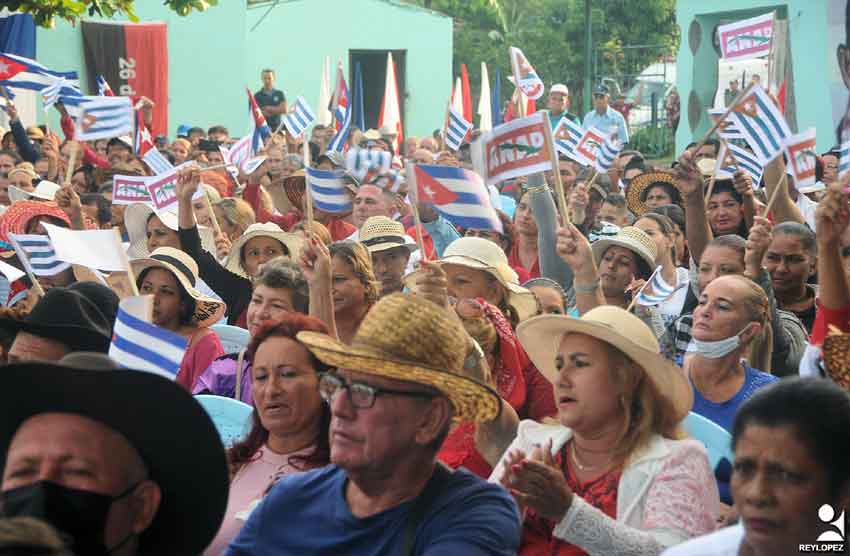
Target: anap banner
<point>801,150</point>
<point>517,148</point>
<point>748,38</point>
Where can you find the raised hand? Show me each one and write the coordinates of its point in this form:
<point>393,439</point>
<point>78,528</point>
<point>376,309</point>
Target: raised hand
<point>315,261</point>
<point>575,250</point>
<point>743,183</point>
<point>757,243</point>
<point>538,483</point>
<point>222,245</point>
<point>578,201</point>
<point>188,180</point>
<point>832,215</point>
<point>688,175</point>
<point>432,284</point>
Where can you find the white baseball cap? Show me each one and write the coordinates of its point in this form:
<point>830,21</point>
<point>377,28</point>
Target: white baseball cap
<point>559,88</point>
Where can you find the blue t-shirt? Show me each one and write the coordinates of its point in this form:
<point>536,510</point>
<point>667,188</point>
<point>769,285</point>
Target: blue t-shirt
<point>306,514</point>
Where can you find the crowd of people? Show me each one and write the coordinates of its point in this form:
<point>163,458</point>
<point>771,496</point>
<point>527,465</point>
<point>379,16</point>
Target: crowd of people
<point>475,392</point>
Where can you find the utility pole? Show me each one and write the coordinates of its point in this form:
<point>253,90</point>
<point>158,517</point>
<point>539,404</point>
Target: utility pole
<point>588,46</point>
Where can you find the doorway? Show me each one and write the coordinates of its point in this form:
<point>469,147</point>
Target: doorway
<point>373,68</point>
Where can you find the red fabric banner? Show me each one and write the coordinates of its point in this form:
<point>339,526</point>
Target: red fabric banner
<point>147,53</point>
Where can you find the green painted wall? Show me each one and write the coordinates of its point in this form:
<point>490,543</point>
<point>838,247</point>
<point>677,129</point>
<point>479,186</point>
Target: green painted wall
<point>309,30</point>
<point>214,55</point>
<point>810,54</point>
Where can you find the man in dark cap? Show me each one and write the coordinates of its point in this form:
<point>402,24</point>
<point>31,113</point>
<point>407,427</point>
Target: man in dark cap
<point>604,118</point>
<point>121,462</point>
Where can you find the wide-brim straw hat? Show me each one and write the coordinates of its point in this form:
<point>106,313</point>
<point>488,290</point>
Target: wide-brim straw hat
<point>542,335</point>
<point>642,182</point>
<point>405,337</point>
<point>483,254</point>
<point>836,357</point>
<point>380,233</point>
<point>208,311</point>
<point>295,186</point>
<point>136,218</point>
<point>15,219</point>
<point>631,238</point>
<point>293,243</point>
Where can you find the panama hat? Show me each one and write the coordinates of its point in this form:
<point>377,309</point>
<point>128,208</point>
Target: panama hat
<point>639,187</point>
<point>208,311</point>
<point>405,337</point>
<point>170,430</point>
<point>136,217</point>
<point>292,242</point>
<point>380,233</point>
<point>541,336</point>
<point>483,254</point>
<point>631,238</point>
<point>45,190</point>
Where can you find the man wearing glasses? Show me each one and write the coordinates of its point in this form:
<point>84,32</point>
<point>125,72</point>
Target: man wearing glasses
<point>393,397</point>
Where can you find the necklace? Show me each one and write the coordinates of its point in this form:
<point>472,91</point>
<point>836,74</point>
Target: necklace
<point>583,467</point>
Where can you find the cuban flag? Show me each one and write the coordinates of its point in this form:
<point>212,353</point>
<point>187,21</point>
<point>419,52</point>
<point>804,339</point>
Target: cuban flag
<point>656,290</point>
<point>361,163</point>
<point>607,154</point>
<point>300,119</point>
<point>104,118</point>
<point>727,130</point>
<point>103,88</point>
<point>328,191</point>
<point>50,94</point>
<point>458,194</point>
<point>567,135</point>
<point>17,72</point>
<point>37,254</point>
<point>456,129</point>
<point>762,124</point>
<point>844,159</point>
<point>747,162</point>
<point>138,344</point>
<point>260,131</point>
<point>343,112</point>
<point>240,156</point>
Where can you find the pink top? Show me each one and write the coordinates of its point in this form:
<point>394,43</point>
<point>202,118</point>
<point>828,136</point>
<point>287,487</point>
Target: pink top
<point>248,488</point>
<point>204,348</point>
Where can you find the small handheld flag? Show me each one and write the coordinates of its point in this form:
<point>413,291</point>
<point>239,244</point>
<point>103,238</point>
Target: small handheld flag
<point>260,131</point>
<point>104,118</point>
<point>362,162</point>
<point>607,154</point>
<point>37,254</point>
<point>656,290</point>
<point>801,152</point>
<point>103,88</point>
<point>456,129</point>
<point>328,191</point>
<point>761,123</point>
<point>747,162</point>
<point>343,113</point>
<point>525,78</point>
<point>844,159</point>
<point>458,194</point>
<point>98,249</point>
<point>138,344</point>
<point>300,119</point>
<point>567,135</point>
<point>50,94</point>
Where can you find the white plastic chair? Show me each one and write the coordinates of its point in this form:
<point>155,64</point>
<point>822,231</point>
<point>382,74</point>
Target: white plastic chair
<point>232,418</point>
<point>233,338</point>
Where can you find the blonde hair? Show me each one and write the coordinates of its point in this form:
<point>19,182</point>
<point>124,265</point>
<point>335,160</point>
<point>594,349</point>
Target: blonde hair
<point>186,144</point>
<point>237,213</point>
<point>760,349</point>
<point>356,255</point>
<point>318,228</point>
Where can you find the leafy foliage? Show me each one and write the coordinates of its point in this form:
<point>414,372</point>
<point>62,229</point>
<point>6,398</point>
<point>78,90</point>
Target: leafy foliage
<point>551,34</point>
<point>45,12</point>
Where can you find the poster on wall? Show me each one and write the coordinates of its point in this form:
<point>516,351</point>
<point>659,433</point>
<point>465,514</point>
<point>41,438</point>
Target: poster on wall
<point>837,66</point>
<point>742,72</point>
<point>133,58</point>
<point>747,38</point>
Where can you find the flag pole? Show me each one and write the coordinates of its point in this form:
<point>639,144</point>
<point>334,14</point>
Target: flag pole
<point>410,177</point>
<point>741,96</point>
<point>773,196</point>
<point>126,262</point>
<point>711,181</point>
<point>72,161</point>
<point>211,212</point>
<point>308,196</point>
<point>640,291</point>
<point>22,256</point>
<point>445,126</point>
<point>556,169</point>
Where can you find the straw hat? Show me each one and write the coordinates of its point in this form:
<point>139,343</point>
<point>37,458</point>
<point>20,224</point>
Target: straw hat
<point>483,254</point>
<point>638,188</point>
<point>619,328</point>
<point>836,358</point>
<point>291,241</point>
<point>405,337</point>
<point>18,215</point>
<point>208,311</point>
<point>706,166</point>
<point>35,133</point>
<point>295,185</point>
<point>371,135</point>
<point>45,190</point>
<point>136,218</point>
<point>380,233</point>
<point>631,238</point>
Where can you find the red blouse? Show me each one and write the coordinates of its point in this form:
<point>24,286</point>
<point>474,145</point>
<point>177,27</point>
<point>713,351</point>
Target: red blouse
<point>516,263</point>
<point>601,493</point>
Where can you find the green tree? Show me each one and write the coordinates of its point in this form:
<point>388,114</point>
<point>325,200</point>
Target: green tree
<point>551,34</point>
<point>45,12</point>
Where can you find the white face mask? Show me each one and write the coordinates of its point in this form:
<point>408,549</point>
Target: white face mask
<point>719,348</point>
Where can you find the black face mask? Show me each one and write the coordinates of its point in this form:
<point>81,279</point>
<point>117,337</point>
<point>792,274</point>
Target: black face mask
<point>80,514</point>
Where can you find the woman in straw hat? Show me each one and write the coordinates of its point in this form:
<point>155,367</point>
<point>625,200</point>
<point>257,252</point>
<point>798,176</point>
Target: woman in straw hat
<point>614,475</point>
<point>651,190</point>
<point>792,473</point>
<point>289,432</point>
<point>259,244</point>
<point>342,284</point>
<point>477,267</point>
<point>170,275</point>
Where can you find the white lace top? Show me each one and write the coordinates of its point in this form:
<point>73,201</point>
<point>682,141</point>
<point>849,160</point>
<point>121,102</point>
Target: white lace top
<point>667,494</point>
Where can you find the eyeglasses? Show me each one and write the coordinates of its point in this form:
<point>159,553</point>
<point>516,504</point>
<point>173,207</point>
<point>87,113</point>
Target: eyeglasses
<point>361,396</point>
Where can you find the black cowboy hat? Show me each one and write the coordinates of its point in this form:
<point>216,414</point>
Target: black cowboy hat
<point>66,316</point>
<point>171,431</point>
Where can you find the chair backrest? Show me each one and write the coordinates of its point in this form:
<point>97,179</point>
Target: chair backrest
<point>233,338</point>
<point>232,418</point>
<point>717,440</point>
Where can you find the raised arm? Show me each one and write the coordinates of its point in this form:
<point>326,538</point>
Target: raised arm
<point>546,215</point>
<point>315,263</point>
<point>784,209</point>
<point>697,230</point>
<point>575,250</point>
<point>832,218</point>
